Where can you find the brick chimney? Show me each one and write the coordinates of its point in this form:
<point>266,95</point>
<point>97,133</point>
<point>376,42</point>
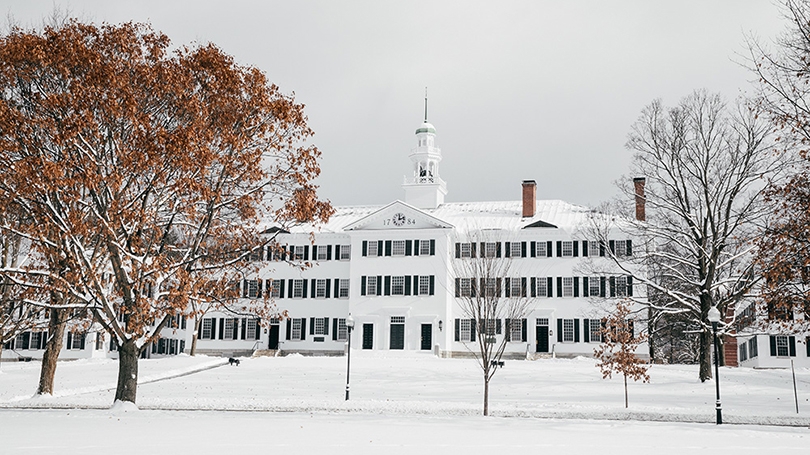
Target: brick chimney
<point>641,213</point>
<point>529,198</point>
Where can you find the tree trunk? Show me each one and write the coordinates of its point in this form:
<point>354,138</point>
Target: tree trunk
<point>705,356</point>
<point>626,400</point>
<point>53,346</point>
<point>486,395</point>
<point>127,388</point>
<point>197,325</point>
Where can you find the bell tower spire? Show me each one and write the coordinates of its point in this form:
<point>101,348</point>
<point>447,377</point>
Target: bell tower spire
<point>425,189</point>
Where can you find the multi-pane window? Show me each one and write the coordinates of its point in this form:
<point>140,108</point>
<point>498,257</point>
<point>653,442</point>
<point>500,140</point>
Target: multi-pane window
<point>490,327</point>
<point>515,249</point>
<point>743,352</point>
<point>298,289</point>
<point>36,339</point>
<point>568,330</point>
<point>342,330</point>
<point>397,319</point>
<point>343,291</point>
<point>491,286</point>
<point>782,349</point>
<point>540,250</point>
<point>542,321</point>
<point>345,252</point>
<point>320,288</point>
<point>568,286</point>
<point>753,350</point>
<point>296,329</point>
<point>595,328</point>
<point>320,324</point>
<point>465,288</point>
<point>372,248</point>
<point>424,285</point>
<point>491,249</point>
<point>251,330</point>
<point>465,250</point>
<point>567,248</point>
<point>594,286</point>
<point>593,248</point>
<point>229,326</point>
<point>76,342</point>
<point>206,329</point>
<point>371,285</point>
<point>464,329</point>
<point>516,329</point>
<point>397,285</point>
<point>252,289</point>
<point>322,253</point>
<point>298,252</point>
<point>275,289</point>
<point>398,248</point>
<point>542,287</point>
<point>515,287</point>
<point>620,247</point>
<point>424,248</point>
<point>621,286</point>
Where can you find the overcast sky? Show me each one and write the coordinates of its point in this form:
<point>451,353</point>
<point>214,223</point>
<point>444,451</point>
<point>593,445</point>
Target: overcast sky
<point>543,90</point>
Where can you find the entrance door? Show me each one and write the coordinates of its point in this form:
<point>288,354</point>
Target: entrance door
<point>427,336</point>
<point>368,336</point>
<point>397,336</point>
<point>541,343</point>
<point>273,343</point>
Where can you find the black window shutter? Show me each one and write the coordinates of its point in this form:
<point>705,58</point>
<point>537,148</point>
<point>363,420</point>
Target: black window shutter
<point>407,285</point>
<point>601,248</point>
<point>336,289</point>
<point>289,288</point>
<point>791,345</point>
<point>363,285</point>
<point>523,249</point>
<point>326,326</point>
<point>534,287</point>
<point>576,248</point>
<point>388,248</point>
<point>586,331</point>
<point>508,252</point>
<point>548,287</point>
<point>523,330</point>
<point>388,285</point>
<point>630,286</point>
<point>508,334</point>
<point>408,247</point>
<point>458,292</point>
<point>773,345</point>
<point>84,338</point>
<point>416,247</point>
<point>306,252</point>
<point>533,249</point>
<point>613,286</point>
<point>432,247</point>
<point>380,250</point>
<point>221,328</point>
<point>458,250</point>
<point>576,330</point>
<point>584,248</point>
<point>498,287</point>
<point>328,288</point>
<point>244,288</point>
<point>289,328</point>
<point>612,245</point>
<point>329,252</point>
<point>585,289</point>
<point>473,287</point>
<point>497,249</point>
<point>629,250</point>
<point>379,284</point>
<point>458,328</point>
<point>312,286</point>
<point>549,252</point>
<point>314,252</point>
<point>472,249</point>
<point>365,248</point>
<point>432,281</point>
<point>303,328</point>
<point>523,287</point>
<point>507,282</point>
<point>576,285</point>
<point>559,330</point>
<point>559,248</point>
<point>244,329</point>
<point>26,340</point>
<point>304,288</point>
<point>260,288</point>
<point>472,330</point>
<point>806,343</point>
<point>213,329</point>
<point>602,286</point>
<point>559,286</point>
<point>334,329</point>
<point>416,285</point>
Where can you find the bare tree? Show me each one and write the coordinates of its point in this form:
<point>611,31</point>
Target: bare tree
<point>493,298</point>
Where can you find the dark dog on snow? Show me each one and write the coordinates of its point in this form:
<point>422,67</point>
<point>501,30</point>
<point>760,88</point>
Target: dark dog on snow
<point>233,361</point>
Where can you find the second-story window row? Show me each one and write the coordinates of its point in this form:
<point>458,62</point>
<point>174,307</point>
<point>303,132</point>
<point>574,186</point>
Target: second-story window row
<point>397,285</point>
<point>300,288</point>
<point>417,247</point>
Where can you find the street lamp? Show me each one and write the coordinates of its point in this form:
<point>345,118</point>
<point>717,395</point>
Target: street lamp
<point>714,318</point>
<point>349,327</point>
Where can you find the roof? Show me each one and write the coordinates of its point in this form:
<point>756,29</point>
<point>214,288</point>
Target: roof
<point>426,128</point>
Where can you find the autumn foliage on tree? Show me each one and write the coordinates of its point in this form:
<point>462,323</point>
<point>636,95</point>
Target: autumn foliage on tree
<point>617,353</point>
<point>146,173</point>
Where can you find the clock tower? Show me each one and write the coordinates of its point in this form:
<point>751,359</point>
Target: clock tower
<point>425,189</point>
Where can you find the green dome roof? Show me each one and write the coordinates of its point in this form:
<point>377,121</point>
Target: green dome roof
<point>426,128</point>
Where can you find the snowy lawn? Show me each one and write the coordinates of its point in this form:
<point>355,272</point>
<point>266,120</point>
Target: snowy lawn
<point>393,397</point>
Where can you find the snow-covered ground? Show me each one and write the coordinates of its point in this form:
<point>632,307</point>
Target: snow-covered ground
<point>400,403</point>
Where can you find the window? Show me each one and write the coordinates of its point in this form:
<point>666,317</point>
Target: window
<point>542,321</point>
<point>229,328</point>
<point>320,324</point>
<point>540,249</point>
<point>424,248</point>
<point>298,289</point>
<point>372,248</point>
<point>99,341</point>
<point>397,319</point>
<point>516,330</point>
<point>36,340</point>
<point>77,341</point>
<point>256,255</point>
<point>568,286</point>
<point>275,289</point>
<point>464,287</point>
<point>515,287</point>
<point>397,285</point>
<point>320,289</point>
<point>567,248</point>
<point>296,329</point>
<point>491,249</point>
<point>299,253</point>
<point>753,350</point>
<point>322,254</point>
<point>345,252</point>
<point>593,249</point>
<point>490,327</point>
<point>343,291</point>
<point>398,248</point>
<point>595,329</point>
<point>251,331</point>
<point>491,286</point>
<point>620,248</point>
<point>465,330</point>
<point>782,349</point>
<point>371,285</point>
<point>206,329</point>
<point>542,287</point>
<point>342,330</point>
<point>252,289</point>
<point>743,348</point>
<point>515,249</point>
<point>621,286</point>
<point>20,341</point>
<point>424,285</point>
<point>594,286</point>
<point>568,330</point>
<point>466,250</point>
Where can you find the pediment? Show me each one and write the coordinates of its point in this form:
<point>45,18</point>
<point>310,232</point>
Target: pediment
<point>398,216</point>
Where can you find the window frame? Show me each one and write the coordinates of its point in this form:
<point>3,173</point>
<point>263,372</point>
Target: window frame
<point>595,329</point>
<point>567,286</point>
<point>424,247</point>
<point>595,286</point>
<point>567,247</point>
<point>541,283</point>
<point>343,288</point>
<point>516,330</point>
<point>372,249</point>
<point>371,285</point>
<point>464,287</point>
<point>320,288</point>
<point>516,287</point>
<point>295,325</point>
<point>465,249</point>
<point>342,330</point>
<point>298,288</point>
<point>398,248</point>
<point>568,331</point>
<point>465,330</point>
<point>321,253</point>
<point>786,340</point>
<point>398,285</point>
<point>345,252</point>
<point>424,284</point>
<point>540,249</point>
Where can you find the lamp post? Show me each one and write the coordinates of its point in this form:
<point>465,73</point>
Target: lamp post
<point>714,318</point>
<point>349,327</point>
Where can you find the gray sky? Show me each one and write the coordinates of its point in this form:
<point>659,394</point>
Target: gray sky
<point>543,90</point>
